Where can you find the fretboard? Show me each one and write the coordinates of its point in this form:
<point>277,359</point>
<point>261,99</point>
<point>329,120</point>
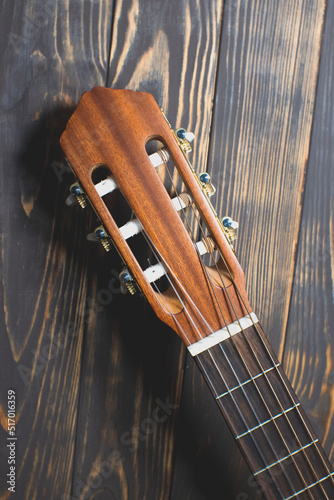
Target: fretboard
<point>265,416</point>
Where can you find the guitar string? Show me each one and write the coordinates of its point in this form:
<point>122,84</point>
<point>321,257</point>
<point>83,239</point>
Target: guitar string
<point>259,362</point>
<point>273,361</point>
<point>259,421</point>
<point>216,299</point>
<point>253,379</point>
<point>180,328</point>
<point>290,395</point>
<point>280,375</point>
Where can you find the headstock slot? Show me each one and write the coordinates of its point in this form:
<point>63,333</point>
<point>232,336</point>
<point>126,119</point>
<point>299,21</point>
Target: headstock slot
<point>173,183</point>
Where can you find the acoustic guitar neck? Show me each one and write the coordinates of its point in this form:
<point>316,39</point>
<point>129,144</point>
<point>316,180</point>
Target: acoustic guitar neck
<point>195,285</point>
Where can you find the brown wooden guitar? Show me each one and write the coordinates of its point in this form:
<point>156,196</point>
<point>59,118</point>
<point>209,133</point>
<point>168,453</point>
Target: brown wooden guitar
<point>193,280</point>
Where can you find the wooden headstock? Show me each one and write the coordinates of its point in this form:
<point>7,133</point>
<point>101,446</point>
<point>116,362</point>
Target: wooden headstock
<point>109,132</point>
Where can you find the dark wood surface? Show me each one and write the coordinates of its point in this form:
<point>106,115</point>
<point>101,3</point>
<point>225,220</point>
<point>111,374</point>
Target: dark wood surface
<point>109,405</point>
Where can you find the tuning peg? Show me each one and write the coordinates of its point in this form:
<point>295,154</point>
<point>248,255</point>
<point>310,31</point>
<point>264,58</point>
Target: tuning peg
<point>230,227</point>
<point>184,139</point>
<point>205,181</point>
<point>77,195</point>
<point>229,223</point>
<point>127,282</point>
<point>101,235</point>
<point>92,237</point>
<point>71,200</point>
<point>183,134</point>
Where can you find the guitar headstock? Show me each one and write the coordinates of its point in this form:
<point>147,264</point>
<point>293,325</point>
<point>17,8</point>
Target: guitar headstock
<point>106,144</point>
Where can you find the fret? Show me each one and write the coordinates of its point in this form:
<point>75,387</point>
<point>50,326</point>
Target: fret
<point>247,381</point>
<point>267,421</point>
<point>249,395</point>
<point>285,458</point>
<point>310,488</point>
<point>266,417</point>
<point>276,439</point>
<point>295,479</point>
<point>236,363</point>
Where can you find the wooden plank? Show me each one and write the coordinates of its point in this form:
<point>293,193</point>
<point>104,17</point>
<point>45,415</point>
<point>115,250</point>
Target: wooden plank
<point>43,266</point>
<point>261,133</point>
<point>309,346</point>
<point>263,110</point>
<point>59,50</point>
<point>170,50</point>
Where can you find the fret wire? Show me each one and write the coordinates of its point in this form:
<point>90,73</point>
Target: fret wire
<point>285,458</point>
<point>256,416</point>
<point>278,372</point>
<point>260,366</point>
<point>266,349</point>
<point>291,426</point>
<point>330,476</point>
<point>277,399</point>
<point>247,381</point>
<point>266,422</point>
<point>245,364</point>
<point>242,418</point>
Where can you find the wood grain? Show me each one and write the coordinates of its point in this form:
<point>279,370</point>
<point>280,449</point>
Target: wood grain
<point>309,345</point>
<point>101,415</point>
<point>260,141</point>
<point>42,266</point>
<point>170,50</point>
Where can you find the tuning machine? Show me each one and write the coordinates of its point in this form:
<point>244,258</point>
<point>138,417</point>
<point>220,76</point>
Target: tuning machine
<point>101,235</point>
<point>230,227</point>
<point>77,195</point>
<point>184,139</point>
<point>205,181</point>
<point>128,283</point>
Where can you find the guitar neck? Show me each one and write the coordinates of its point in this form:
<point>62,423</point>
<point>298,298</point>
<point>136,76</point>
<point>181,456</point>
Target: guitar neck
<point>264,415</point>
<point>105,143</point>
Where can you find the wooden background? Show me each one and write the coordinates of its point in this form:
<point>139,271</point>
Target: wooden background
<point>92,369</point>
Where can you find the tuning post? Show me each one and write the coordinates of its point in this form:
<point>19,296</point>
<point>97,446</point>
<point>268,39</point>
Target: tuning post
<point>230,226</point>
<point>206,245</point>
<point>162,155</point>
<point>127,282</point>
<point>102,236</point>
<point>77,194</point>
<point>205,181</point>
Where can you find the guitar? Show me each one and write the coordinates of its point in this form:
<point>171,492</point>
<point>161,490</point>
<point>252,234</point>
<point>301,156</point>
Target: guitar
<point>193,282</point>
